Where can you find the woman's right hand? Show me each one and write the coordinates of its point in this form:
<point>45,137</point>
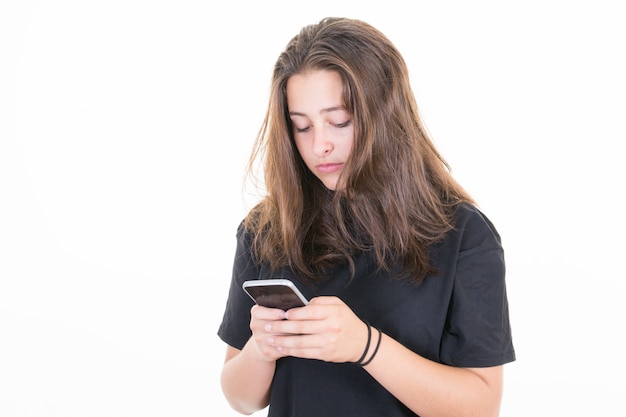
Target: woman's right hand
<point>260,317</point>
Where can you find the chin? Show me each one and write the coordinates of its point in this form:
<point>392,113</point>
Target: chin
<point>332,185</point>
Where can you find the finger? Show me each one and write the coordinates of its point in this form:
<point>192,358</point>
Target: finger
<point>318,309</point>
<point>313,346</point>
<point>298,345</point>
<point>265,313</point>
<point>295,327</point>
<point>266,348</point>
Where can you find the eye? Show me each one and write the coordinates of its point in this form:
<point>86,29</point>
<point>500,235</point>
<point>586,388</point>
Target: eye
<point>301,130</point>
<point>344,124</point>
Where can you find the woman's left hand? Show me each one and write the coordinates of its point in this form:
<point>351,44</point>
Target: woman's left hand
<point>326,329</point>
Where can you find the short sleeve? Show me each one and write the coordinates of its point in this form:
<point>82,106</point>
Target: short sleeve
<point>235,326</point>
<point>477,331</point>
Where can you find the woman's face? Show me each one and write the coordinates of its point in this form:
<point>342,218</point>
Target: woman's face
<point>322,128</point>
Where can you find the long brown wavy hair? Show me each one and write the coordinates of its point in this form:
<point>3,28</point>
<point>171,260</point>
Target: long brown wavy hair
<point>399,196</point>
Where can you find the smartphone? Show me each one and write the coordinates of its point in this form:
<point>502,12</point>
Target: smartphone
<point>275,293</point>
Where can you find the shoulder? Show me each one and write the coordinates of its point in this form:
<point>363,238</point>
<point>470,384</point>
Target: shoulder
<point>468,215</point>
<point>473,227</point>
<point>244,238</point>
<point>472,236</point>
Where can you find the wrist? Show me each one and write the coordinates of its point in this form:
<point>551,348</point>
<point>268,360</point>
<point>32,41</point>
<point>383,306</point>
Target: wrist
<point>370,355</point>
<point>367,344</point>
<point>374,338</point>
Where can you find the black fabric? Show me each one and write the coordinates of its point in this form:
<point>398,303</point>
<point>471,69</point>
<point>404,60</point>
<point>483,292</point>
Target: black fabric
<point>457,317</point>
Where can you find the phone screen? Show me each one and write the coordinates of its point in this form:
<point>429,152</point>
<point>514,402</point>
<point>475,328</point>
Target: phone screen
<point>275,295</point>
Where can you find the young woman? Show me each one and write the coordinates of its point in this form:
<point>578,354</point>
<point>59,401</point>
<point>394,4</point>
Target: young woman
<point>408,310</point>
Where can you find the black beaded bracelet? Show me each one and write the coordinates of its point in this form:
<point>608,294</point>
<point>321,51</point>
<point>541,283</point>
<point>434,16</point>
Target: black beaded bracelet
<point>367,345</point>
<point>380,337</point>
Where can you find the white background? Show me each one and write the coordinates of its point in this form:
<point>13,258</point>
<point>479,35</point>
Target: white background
<point>125,127</point>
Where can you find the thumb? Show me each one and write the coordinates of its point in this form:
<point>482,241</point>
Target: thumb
<point>325,299</point>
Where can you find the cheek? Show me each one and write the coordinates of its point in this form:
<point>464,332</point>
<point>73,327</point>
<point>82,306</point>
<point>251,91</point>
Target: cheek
<point>302,148</point>
<point>347,149</point>
<point>303,151</point>
<point>347,144</point>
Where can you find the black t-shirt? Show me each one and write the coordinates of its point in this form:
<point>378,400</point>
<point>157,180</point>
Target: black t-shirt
<point>458,317</point>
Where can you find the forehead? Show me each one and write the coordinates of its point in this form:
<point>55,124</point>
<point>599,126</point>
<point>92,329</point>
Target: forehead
<point>314,88</point>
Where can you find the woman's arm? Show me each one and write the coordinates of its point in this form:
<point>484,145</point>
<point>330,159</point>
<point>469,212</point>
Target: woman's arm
<point>432,389</point>
<point>246,379</point>
<point>328,330</point>
<point>247,373</point>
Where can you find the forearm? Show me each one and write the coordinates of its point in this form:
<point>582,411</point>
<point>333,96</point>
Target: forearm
<point>432,389</point>
<point>246,379</point>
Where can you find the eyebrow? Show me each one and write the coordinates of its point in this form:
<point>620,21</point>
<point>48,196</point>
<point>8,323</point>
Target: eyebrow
<point>327,110</point>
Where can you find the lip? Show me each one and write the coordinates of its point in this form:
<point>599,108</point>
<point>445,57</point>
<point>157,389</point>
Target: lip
<point>329,168</point>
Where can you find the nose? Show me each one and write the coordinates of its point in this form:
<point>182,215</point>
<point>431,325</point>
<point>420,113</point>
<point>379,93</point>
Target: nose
<point>322,146</point>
